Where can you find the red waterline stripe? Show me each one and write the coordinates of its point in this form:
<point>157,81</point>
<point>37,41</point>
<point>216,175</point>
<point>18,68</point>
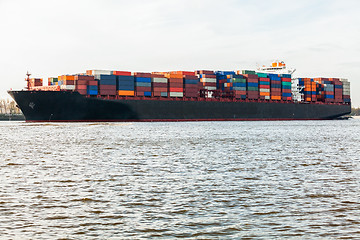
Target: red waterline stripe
<point>182,120</point>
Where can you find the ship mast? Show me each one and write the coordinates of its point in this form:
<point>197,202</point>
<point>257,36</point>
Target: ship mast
<point>28,80</point>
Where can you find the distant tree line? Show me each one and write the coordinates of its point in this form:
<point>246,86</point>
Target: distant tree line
<point>355,112</point>
<point>8,107</point>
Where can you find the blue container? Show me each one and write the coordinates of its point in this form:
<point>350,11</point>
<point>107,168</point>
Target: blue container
<point>107,81</point>
<point>286,87</point>
<point>125,78</point>
<point>225,73</point>
<point>285,75</point>
<point>92,92</point>
<point>127,88</point>
<point>313,92</point>
<point>338,86</point>
<point>163,94</point>
<point>275,85</point>
<point>126,83</point>
<point>191,81</point>
<point>238,76</point>
<point>143,84</point>
<point>144,80</point>
<point>107,77</point>
<point>220,77</point>
<point>250,84</point>
<point>239,84</point>
<point>286,94</point>
<point>92,88</point>
<point>147,94</point>
<point>329,96</point>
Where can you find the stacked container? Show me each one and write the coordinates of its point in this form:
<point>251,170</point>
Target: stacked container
<point>159,85</point>
<point>52,81</point>
<point>239,86</point>
<point>346,90</point>
<point>142,84</point>
<point>125,83</point>
<point>208,81</point>
<point>338,90</point>
<point>82,85</point>
<point>191,85</point>
<point>36,82</point>
<point>264,87</point>
<point>107,84</point>
<point>286,89</point>
<point>176,84</point>
<point>275,87</point>
<point>67,82</point>
<point>252,86</point>
<point>309,89</point>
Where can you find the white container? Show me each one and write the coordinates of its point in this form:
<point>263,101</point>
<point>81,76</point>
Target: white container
<point>267,97</point>
<point>99,72</point>
<point>176,94</point>
<point>264,89</point>
<point>159,80</point>
<point>209,88</point>
<point>67,87</point>
<point>209,80</point>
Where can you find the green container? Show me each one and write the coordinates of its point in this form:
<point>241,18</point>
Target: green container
<point>248,72</point>
<point>239,80</point>
<point>286,83</point>
<point>253,88</point>
<point>262,75</point>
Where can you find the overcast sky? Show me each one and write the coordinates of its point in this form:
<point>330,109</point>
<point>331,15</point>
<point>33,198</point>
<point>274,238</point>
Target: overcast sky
<point>50,38</point>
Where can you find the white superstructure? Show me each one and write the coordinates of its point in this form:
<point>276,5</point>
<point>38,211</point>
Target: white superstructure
<point>277,67</point>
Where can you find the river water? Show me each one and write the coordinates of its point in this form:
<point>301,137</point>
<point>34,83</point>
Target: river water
<point>193,180</point>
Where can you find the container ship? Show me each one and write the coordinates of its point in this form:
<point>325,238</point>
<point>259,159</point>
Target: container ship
<point>269,93</point>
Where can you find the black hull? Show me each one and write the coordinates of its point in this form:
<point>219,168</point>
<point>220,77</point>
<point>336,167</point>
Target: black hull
<point>71,106</point>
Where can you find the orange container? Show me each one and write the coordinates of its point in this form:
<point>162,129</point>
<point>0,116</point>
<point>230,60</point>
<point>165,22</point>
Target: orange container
<point>275,97</point>
<point>126,93</point>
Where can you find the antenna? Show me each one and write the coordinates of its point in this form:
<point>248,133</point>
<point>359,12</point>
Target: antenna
<point>28,80</point>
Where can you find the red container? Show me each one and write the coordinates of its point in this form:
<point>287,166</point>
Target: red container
<point>250,76</point>
<point>264,86</point>
<point>207,84</point>
<point>144,75</point>
<point>192,77</point>
<point>184,73</point>
<point>107,87</point>
<point>81,87</point>
<point>143,89</point>
<point>173,89</point>
<point>160,89</point>
<point>176,85</point>
<point>252,80</point>
<point>157,75</point>
<point>155,84</point>
<point>69,82</point>
<point>204,72</point>
<point>264,79</point>
<point>122,73</point>
<point>286,79</point>
<point>107,92</point>
<point>83,77</point>
<point>82,82</point>
<point>286,90</point>
<point>176,80</point>
<point>93,83</point>
<point>82,91</point>
<point>208,76</point>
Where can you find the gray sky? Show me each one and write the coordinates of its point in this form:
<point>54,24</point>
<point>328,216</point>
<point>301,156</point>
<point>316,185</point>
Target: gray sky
<point>50,38</point>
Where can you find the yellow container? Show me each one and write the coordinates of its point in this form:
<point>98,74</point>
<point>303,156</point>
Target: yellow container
<point>126,93</point>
